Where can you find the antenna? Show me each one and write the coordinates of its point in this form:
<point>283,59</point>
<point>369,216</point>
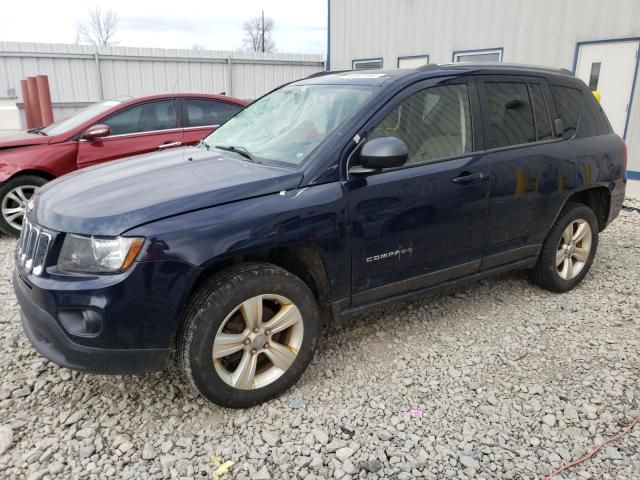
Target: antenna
<point>180,72</point>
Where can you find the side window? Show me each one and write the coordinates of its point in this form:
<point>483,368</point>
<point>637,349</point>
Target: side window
<point>510,114</point>
<point>145,117</point>
<point>569,106</point>
<point>434,123</point>
<point>201,112</point>
<point>540,113</point>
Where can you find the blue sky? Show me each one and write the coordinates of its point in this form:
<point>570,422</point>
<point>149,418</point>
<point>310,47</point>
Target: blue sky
<point>300,26</point>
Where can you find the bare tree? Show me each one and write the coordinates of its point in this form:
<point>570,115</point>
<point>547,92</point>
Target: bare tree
<point>99,29</point>
<point>257,34</point>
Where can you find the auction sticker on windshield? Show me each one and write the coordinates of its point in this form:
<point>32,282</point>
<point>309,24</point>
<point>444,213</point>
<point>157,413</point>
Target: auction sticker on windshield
<point>363,75</point>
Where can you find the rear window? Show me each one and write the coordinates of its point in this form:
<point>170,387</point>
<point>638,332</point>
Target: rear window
<point>569,107</point>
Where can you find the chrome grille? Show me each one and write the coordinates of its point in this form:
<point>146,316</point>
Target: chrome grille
<point>33,247</point>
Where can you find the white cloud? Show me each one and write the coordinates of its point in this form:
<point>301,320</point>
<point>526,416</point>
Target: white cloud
<point>300,25</point>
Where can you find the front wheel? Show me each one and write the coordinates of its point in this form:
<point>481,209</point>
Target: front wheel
<point>568,251</point>
<point>249,334</point>
<point>14,197</point>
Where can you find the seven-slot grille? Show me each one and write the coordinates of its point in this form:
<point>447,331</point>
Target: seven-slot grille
<point>33,247</point>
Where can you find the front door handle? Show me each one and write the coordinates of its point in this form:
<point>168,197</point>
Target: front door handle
<point>465,178</point>
<point>169,145</point>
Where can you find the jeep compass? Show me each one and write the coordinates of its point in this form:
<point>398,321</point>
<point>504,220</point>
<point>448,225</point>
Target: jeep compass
<point>327,197</point>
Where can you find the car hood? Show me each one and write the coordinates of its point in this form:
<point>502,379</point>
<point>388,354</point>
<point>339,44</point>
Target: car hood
<point>112,198</point>
<point>22,139</point>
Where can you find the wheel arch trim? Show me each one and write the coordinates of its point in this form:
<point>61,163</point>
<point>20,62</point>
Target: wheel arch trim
<point>302,260</point>
<point>585,196</point>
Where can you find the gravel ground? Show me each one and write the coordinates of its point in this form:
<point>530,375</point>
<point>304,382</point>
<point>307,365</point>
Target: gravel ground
<point>498,379</point>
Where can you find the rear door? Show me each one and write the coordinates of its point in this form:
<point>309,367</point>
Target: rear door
<point>531,168</point>
<point>201,116</point>
<point>142,128</point>
<point>424,223</point>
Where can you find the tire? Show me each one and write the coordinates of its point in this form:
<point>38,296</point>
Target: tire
<point>573,267</point>
<point>223,309</point>
<point>13,197</point>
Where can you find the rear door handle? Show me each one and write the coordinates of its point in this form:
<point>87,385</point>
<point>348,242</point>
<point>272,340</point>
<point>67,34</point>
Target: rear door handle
<point>465,178</point>
<point>169,145</point>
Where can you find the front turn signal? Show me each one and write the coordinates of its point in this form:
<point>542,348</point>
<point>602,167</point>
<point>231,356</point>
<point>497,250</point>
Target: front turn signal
<point>136,245</point>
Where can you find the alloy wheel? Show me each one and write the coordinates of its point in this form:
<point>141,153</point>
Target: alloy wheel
<point>14,204</point>
<point>574,249</point>
<point>258,341</point>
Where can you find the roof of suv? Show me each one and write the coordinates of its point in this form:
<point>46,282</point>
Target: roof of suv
<point>380,77</point>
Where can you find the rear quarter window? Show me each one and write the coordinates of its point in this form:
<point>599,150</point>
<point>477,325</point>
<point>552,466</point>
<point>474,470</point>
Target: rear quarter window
<point>594,121</point>
<point>579,111</point>
<point>568,103</point>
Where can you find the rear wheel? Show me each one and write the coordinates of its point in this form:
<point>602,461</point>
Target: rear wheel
<point>14,197</point>
<point>249,334</point>
<point>568,251</point>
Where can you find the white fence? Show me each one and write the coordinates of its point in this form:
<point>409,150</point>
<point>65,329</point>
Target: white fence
<point>81,74</point>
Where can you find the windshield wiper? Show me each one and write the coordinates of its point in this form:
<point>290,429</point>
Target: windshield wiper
<point>38,131</point>
<point>239,150</point>
<point>207,146</point>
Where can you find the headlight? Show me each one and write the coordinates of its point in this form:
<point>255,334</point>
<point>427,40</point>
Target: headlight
<point>98,254</point>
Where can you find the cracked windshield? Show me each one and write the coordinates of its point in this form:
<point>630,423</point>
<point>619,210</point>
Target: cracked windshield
<point>287,125</point>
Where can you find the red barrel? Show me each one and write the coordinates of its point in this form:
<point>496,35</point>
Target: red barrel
<point>34,102</point>
<point>46,109</point>
<point>26,102</point>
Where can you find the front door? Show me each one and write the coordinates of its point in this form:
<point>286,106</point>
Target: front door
<point>423,223</point>
<point>609,68</point>
<point>142,128</point>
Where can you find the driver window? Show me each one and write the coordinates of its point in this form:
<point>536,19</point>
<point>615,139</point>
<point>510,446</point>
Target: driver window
<point>144,117</point>
<point>435,123</point>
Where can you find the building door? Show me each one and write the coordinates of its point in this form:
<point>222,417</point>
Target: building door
<point>609,67</point>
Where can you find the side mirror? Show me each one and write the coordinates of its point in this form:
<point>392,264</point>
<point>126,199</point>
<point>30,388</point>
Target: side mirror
<point>379,153</point>
<point>558,127</point>
<point>96,131</point>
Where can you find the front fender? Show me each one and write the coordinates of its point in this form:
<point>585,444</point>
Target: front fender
<point>314,215</point>
<point>52,159</point>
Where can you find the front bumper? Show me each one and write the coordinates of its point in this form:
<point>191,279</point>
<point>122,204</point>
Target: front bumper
<point>51,341</point>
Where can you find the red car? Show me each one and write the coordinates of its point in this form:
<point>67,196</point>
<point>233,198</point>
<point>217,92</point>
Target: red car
<point>101,132</point>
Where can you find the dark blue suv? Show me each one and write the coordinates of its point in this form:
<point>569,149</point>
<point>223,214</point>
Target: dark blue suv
<point>328,196</point>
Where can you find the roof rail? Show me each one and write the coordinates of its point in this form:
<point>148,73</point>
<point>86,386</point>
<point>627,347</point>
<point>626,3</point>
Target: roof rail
<point>506,65</point>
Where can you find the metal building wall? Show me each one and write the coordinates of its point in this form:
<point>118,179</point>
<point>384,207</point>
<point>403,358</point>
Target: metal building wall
<point>80,75</point>
<point>541,32</point>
